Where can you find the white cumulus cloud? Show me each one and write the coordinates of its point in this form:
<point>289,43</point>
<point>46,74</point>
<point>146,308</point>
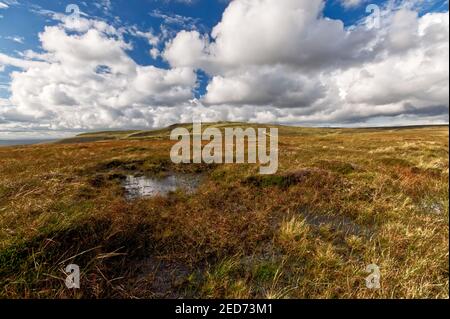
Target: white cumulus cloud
<point>285,54</point>
<point>86,80</point>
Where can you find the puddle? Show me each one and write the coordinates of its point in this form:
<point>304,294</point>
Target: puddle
<point>143,186</point>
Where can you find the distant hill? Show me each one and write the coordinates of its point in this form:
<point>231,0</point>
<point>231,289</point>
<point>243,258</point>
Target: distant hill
<point>164,133</point>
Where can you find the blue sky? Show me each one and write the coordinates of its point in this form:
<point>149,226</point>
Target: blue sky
<point>145,14</point>
<point>22,21</point>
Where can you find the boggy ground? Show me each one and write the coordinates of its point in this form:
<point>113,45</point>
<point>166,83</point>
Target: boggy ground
<point>341,200</point>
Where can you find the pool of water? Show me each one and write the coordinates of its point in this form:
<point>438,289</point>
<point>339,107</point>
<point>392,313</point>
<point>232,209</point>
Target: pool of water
<point>143,186</point>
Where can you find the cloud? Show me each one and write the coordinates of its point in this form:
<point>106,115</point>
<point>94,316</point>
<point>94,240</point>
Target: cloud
<point>412,69</point>
<point>7,3</point>
<point>285,54</point>
<point>267,85</point>
<point>152,39</point>
<point>19,63</point>
<point>352,3</point>
<point>86,80</point>
<point>187,49</point>
<point>268,32</point>
<point>16,39</point>
<point>175,19</point>
<point>105,5</point>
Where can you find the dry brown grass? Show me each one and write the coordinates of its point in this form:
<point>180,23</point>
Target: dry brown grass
<point>341,200</point>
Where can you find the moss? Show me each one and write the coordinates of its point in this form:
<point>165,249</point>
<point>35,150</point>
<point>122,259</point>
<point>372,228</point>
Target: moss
<point>268,181</point>
<point>265,271</point>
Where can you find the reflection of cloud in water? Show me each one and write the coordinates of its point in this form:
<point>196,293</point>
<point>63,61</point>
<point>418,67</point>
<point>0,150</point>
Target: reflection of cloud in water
<point>143,186</point>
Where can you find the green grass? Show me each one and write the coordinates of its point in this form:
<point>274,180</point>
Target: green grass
<point>341,200</point>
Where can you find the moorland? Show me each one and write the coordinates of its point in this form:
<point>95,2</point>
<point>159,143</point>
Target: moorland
<point>342,199</point>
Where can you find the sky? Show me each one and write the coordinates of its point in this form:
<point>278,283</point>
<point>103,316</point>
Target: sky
<point>75,66</point>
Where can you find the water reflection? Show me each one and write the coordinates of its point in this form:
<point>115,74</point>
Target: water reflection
<point>143,186</point>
